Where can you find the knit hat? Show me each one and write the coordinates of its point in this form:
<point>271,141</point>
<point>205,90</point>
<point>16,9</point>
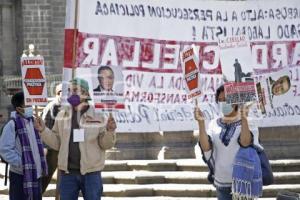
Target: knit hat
<point>83,84</point>
<point>246,175</point>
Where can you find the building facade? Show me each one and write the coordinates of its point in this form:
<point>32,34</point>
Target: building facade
<point>40,22</point>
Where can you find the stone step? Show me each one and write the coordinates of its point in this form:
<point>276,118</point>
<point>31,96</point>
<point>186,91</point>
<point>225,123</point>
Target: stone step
<point>171,190</point>
<point>5,197</point>
<point>146,177</point>
<point>181,190</point>
<point>179,165</point>
<point>186,165</point>
<point>178,177</point>
<point>168,191</point>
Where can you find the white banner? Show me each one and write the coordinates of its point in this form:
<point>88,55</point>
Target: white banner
<point>145,38</point>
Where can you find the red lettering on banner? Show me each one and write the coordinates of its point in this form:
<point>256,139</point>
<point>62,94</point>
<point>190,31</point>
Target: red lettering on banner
<point>70,35</point>
<point>161,56</point>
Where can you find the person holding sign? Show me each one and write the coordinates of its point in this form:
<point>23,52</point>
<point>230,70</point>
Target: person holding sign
<point>221,141</point>
<point>21,147</point>
<point>81,136</point>
<point>106,79</point>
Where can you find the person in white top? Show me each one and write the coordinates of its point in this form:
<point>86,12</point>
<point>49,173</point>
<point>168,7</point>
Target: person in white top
<point>222,139</point>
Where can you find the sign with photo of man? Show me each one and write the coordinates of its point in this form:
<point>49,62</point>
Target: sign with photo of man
<point>273,89</point>
<point>108,87</point>
<point>235,57</point>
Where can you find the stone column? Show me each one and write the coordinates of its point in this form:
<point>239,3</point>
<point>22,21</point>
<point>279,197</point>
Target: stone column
<point>8,40</point>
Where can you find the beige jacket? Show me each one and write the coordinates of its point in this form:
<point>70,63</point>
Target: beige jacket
<point>92,150</point>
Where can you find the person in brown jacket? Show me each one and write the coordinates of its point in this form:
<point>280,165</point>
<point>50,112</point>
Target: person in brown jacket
<point>81,136</point>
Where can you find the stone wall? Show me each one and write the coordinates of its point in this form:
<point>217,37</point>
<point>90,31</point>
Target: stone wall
<point>43,25</point>
<point>40,22</point>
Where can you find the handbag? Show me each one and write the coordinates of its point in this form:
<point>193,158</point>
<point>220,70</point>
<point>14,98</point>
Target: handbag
<point>267,173</point>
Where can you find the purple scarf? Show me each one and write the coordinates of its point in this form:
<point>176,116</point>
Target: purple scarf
<point>31,185</point>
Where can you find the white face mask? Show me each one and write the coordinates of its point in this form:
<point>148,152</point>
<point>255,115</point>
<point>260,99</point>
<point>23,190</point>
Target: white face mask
<point>226,108</point>
<point>28,112</point>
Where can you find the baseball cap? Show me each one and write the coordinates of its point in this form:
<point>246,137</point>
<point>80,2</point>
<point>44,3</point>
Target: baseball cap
<point>83,84</point>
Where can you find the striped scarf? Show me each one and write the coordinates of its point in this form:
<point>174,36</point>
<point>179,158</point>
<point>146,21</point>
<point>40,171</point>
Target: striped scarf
<point>227,130</point>
<point>246,175</point>
<point>31,185</point>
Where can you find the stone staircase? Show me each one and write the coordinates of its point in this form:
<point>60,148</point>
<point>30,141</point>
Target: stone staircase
<point>183,179</point>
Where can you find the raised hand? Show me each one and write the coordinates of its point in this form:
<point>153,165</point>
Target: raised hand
<point>39,124</point>
<point>198,115</point>
<point>244,109</point>
<point>111,123</point>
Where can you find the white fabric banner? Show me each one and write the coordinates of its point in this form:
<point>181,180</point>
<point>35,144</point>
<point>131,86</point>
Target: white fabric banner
<point>145,38</point>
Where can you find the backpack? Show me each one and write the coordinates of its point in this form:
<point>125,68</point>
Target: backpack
<point>210,163</point>
<point>2,159</point>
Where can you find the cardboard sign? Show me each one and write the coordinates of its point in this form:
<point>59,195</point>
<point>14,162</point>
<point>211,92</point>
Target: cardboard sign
<point>34,80</point>
<point>273,89</point>
<point>236,93</point>
<point>191,72</point>
<point>237,69</point>
<point>108,88</point>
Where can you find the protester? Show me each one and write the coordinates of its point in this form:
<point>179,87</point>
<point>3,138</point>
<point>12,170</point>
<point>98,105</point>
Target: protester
<point>221,141</point>
<point>21,147</point>
<point>81,137</point>
<point>106,79</point>
<point>49,114</point>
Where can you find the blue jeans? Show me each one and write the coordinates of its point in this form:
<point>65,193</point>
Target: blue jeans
<point>90,185</point>
<point>224,193</point>
<point>16,191</point>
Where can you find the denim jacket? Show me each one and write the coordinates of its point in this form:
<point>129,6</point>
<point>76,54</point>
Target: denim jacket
<point>10,147</point>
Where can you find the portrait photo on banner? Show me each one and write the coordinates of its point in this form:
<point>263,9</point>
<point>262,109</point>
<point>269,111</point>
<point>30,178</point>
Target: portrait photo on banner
<point>274,89</point>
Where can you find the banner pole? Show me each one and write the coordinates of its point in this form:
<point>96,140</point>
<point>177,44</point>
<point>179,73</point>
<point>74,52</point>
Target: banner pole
<point>75,39</point>
<point>36,110</point>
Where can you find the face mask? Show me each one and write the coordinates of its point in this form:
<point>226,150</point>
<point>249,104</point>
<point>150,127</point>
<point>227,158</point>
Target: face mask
<point>226,108</point>
<point>28,112</point>
<point>74,100</point>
